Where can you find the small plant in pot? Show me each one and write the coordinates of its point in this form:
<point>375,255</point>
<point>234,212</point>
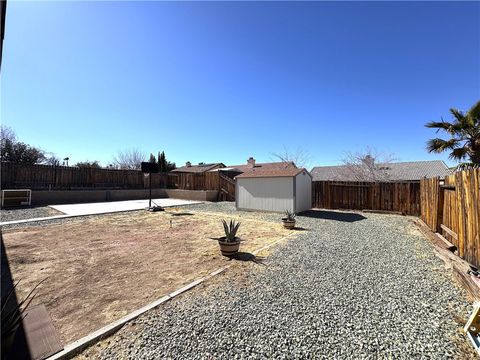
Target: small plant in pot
<point>289,220</point>
<point>230,243</point>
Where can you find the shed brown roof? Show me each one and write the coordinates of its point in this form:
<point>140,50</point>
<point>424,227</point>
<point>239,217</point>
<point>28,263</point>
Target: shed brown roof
<point>270,165</point>
<point>288,171</point>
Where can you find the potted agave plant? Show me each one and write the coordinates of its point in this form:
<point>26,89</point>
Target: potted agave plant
<point>230,243</point>
<point>289,220</point>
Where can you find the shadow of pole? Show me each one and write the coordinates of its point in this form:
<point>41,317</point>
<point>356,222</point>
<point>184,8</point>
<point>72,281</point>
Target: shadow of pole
<point>247,257</point>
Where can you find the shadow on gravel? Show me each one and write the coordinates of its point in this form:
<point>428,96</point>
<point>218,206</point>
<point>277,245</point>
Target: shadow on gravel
<point>245,256</point>
<point>333,215</point>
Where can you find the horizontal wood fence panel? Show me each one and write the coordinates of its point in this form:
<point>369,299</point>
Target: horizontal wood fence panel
<point>386,196</point>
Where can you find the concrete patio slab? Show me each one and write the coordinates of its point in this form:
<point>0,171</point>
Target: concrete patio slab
<point>118,206</point>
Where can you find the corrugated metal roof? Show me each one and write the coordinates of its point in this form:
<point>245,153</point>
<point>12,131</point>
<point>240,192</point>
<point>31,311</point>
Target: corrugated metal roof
<point>412,170</point>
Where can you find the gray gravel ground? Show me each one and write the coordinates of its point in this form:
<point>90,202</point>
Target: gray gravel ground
<point>12,214</point>
<point>359,286</point>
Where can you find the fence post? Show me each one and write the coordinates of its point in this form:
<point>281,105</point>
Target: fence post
<point>440,207</point>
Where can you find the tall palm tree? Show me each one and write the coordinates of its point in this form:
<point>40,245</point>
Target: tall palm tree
<point>464,142</point>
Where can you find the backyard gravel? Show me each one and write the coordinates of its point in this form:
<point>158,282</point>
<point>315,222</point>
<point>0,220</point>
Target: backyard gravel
<point>353,286</point>
<point>13,214</point>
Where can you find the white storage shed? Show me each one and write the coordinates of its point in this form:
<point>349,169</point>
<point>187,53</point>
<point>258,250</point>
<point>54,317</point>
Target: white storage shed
<point>275,190</point>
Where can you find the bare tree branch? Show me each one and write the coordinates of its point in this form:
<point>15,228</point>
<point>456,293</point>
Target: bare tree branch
<point>300,158</point>
<point>7,133</point>
<point>51,159</point>
<point>129,159</point>
<point>368,165</point>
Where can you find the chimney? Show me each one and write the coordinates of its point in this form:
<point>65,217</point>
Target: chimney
<point>251,162</point>
<point>188,164</point>
<point>368,161</point>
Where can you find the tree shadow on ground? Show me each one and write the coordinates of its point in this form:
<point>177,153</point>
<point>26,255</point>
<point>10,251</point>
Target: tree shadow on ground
<point>247,257</point>
<point>333,215</point>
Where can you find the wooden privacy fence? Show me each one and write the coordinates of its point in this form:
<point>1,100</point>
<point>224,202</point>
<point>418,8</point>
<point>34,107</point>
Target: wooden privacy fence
<point>214,180</point>
<point>226,188</point>
<point>403,197</point>
<point>429,199</point>
<point>44,177</point>
<point>201,181</point>
<point>452,209</point>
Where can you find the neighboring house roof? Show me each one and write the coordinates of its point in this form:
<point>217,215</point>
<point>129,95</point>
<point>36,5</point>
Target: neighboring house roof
<point>270,165</point>
<point>226,169</point>
<point>412,170</point>
<point>287,171</point>
<point>199,168</point>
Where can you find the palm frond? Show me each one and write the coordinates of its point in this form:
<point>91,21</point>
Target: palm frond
<point>459,153</point>
<point>451,128</point>
<point>457,114</point>
<point>474,111</point>
<point>464,131</point>
<point>439,145</point>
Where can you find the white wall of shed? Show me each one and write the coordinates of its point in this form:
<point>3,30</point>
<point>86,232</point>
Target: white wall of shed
<point>303,192</point>
<point>266,194</point>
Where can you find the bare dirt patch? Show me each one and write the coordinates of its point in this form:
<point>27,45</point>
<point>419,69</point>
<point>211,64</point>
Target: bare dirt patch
<point>100,269</point>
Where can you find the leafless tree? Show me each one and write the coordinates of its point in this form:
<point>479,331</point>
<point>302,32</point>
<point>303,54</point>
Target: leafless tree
<point>367,165</point>
<point>7,133</point>
<point>51,159</point>
<point>129,159</point>
<point>301,157</point>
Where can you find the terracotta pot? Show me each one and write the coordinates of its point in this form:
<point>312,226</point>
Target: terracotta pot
<point>288,224</point>
<point>229,248</point>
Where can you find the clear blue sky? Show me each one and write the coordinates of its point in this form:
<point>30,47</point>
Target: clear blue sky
<point>223,81</point>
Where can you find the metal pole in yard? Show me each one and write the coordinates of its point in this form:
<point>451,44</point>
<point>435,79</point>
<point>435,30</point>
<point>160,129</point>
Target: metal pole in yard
<point>150,190</point>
